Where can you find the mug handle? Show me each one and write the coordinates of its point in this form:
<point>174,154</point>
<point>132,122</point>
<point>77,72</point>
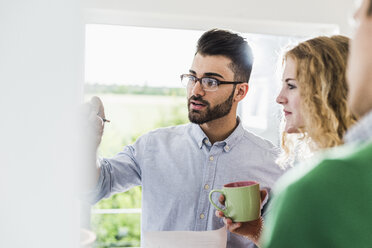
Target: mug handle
<point>211,201</point>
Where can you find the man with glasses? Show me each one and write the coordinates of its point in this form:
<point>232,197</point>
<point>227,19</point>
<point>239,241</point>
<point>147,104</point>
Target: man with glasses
<point>330,205</point>
<point>178,166</point>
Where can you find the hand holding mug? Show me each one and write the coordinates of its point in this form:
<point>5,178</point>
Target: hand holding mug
<point>250,229</point>
<point>242,202</point>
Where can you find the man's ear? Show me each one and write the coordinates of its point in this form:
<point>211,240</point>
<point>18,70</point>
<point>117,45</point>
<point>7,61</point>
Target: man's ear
<point>242,90</point>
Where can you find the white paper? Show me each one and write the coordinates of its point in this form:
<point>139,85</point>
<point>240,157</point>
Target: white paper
<point>186,239</point>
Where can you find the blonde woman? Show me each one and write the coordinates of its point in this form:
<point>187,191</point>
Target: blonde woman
<point>313,97</point>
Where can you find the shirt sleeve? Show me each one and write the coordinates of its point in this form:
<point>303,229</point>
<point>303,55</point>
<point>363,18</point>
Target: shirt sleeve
<point>121,172</point>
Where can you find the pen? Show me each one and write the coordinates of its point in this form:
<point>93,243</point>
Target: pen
<point>103,119</point>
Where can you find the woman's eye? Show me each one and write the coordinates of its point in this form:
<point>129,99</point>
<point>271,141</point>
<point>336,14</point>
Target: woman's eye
<point>291,86</point>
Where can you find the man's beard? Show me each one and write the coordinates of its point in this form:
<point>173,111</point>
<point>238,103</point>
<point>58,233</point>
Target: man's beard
<point>209,114</point>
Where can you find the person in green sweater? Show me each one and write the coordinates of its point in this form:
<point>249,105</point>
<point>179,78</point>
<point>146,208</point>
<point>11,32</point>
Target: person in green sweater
<point>314,100</point>
<point>328,203</point>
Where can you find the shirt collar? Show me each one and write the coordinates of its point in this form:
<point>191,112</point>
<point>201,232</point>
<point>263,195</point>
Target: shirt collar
<point>361,131</point>
<point>198,135</point>
<point>202,139</point>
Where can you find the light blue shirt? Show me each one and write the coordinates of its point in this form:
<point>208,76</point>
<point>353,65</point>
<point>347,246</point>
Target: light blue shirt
<point>177,167</point>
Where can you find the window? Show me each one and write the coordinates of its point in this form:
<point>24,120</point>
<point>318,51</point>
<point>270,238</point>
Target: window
<point>259,111</point>
<point>136,72</point>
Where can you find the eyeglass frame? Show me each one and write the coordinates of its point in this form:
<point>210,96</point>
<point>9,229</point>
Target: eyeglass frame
<point>218,81</point>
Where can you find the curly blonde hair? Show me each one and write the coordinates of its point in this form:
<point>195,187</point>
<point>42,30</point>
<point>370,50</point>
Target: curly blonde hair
<point>320,74</point>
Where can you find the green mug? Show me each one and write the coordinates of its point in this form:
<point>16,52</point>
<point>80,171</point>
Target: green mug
<point>242,201</point>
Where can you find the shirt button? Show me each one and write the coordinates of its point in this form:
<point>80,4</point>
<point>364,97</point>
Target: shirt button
<point>211,158</point>
<point>227,147</point>
<point>202,216</point>
<point>206,186</point>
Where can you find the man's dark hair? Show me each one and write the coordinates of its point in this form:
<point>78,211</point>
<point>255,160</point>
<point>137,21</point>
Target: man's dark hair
<point>231,45</point>
<point>369,11</point>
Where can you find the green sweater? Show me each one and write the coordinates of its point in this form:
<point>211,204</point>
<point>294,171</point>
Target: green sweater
<point>330,205</point>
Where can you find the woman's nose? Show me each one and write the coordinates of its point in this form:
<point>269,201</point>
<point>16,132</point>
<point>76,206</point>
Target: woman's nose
<point>281,99</point>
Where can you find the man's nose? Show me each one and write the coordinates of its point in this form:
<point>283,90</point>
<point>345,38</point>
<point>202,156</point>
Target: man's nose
<point>197,89</point>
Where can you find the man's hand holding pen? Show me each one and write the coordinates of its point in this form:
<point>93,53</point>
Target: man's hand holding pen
<point>94,114</point>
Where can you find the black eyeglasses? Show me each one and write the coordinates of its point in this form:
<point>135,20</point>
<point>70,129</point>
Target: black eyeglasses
<point>207,83</point>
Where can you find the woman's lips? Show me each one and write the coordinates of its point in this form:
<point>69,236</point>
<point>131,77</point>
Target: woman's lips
<point>287,113</point>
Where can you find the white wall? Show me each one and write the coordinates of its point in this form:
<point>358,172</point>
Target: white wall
<point>41,63</point>
<point>256,16</point>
